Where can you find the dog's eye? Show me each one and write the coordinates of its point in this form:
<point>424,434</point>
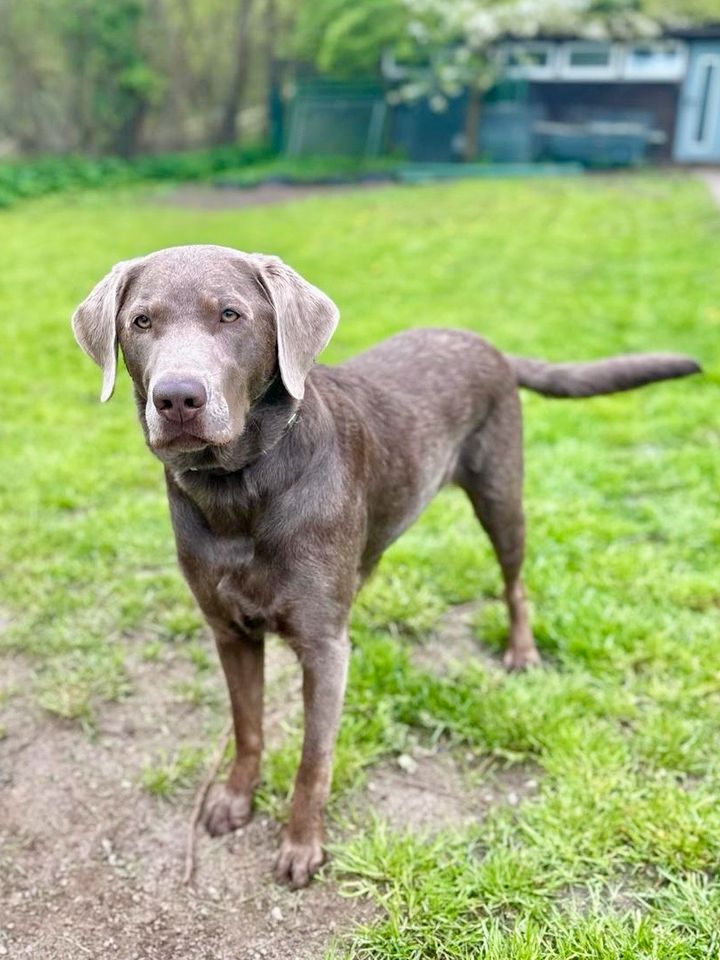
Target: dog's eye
<point>228,316</point>
<point>142,321</point>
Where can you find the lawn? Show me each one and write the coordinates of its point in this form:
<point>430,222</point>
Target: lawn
<point>616,853</point>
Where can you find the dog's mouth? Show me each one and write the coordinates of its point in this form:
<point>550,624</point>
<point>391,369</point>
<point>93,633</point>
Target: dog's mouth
<point>187,438</point>
<point>179,437</point>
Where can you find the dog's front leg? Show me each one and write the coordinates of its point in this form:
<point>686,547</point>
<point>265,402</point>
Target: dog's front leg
<point>324,666</point>
<point>229,805</point>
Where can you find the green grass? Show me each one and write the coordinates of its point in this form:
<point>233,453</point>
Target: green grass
<point>167,774</point>
<point>616,856</point>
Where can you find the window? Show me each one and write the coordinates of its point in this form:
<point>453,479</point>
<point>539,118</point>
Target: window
<point>656,61</point>
<point>530,60</point>
<point>589,57</point>
<point>589,61</point>
<point>648,61</point>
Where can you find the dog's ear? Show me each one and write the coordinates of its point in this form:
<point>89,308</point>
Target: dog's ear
<point>305,319</point>
<point>94,323</point>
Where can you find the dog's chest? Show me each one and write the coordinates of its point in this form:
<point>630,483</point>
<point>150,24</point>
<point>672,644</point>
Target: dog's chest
<point>250,594</point>
<point>236,562</point>
<point>246,580</point>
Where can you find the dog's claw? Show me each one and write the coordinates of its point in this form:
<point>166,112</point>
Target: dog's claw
<point>297,863</point>
<point>225,810</point>
<point>521,659</point>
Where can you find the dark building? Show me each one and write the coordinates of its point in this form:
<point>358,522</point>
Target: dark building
<point>560,99</point>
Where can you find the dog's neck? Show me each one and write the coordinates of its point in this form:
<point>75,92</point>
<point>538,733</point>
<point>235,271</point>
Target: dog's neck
<point>227,483</point>
<point>236,457</point>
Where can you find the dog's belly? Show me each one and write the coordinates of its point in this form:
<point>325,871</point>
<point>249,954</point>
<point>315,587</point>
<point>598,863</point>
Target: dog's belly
<point>399,505</point>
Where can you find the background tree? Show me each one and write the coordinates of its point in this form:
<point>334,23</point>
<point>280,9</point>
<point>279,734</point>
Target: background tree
<point>346,38</point>
<point>104,77</point>
<point>112,80</point>
<point>236,95</point>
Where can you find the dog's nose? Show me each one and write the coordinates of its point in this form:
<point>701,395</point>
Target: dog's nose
<point>179,400</point>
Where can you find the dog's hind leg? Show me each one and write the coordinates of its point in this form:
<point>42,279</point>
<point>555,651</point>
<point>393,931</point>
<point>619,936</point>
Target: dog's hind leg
<point>490,470</point>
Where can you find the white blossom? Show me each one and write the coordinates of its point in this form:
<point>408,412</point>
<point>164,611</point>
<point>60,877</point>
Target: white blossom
<point>463,34</point>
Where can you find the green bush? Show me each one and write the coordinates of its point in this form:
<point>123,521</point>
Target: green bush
<point>34,178</point>
<point>309,169</point>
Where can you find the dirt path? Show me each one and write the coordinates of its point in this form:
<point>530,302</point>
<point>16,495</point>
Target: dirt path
<point>712,179</point>
<point>208,197</point>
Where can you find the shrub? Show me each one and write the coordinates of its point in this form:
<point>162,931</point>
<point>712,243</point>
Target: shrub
<point>34,178</point>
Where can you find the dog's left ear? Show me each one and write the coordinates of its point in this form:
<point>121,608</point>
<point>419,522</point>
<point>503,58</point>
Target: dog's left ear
<point>94,323</point>
<point>305,319</point>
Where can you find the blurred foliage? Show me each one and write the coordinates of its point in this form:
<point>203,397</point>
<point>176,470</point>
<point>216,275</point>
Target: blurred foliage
<point>133,76</point>
<point>55,174</point>
<point>114,82</point>
<point>136,76</point>
<point>227,166</point>
<point>688,11</point>
<point>346,38</point>
<point>309,169</point>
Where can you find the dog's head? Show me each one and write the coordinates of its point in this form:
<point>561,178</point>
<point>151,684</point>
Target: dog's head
<point>204,330</point>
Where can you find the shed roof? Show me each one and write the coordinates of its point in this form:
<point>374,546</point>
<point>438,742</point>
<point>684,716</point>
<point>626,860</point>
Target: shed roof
<point>706,31</point>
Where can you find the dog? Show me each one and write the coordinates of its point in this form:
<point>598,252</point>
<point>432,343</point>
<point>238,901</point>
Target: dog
<point>287,480</point>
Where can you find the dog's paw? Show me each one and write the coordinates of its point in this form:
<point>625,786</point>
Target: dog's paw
<point>521,659</point>
<point>226,811</point>
<point>297,863</point>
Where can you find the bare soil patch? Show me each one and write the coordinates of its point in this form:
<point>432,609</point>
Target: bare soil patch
<point>91,865</point>
<point>454,641</point>
<point>430,792</point>
<point>201,197</point>
<point>711,177</point>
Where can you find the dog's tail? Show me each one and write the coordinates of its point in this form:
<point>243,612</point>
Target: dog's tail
<point>611,375</point>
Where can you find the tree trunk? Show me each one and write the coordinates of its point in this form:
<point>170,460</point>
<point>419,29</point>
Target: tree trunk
<point>228,132</point>
<point>472,124</point>
<point>270,66</point>
<point>128,138</point>
<point>81,96</point>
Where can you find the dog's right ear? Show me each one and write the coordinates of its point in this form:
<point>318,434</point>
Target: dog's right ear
<point>94,323</point>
